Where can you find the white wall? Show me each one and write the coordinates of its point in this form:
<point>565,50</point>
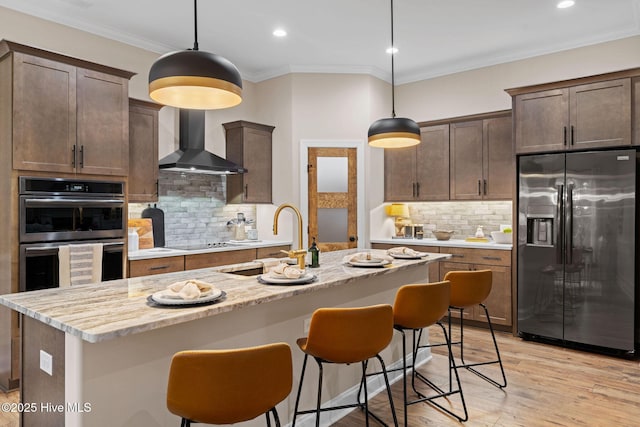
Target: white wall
<point>482,90</point>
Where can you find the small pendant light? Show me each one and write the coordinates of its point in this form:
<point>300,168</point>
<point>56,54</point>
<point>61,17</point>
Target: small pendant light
<point>195,79</point>
<point>393,132</point>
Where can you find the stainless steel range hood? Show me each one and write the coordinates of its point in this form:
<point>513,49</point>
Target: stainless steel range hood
<point>191,156</point>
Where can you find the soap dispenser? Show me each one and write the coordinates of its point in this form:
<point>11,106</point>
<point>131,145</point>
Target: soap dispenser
<point>315,254</point>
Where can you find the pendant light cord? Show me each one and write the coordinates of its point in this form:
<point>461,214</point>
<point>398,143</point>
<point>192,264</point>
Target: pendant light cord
<point>195,24</point>
<point>393,80</point>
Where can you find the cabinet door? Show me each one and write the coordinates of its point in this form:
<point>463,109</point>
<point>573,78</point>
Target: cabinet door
<point>214,259</point>
<point>249,145</point>
<point>148,267</point>
<point>498,159</point>
<point>542,120</point>
<point>400,174</point>
<point>466,161</point>
<point>447,266</point>
<point>432,164</point>
<point>257,159</point>
<point>498,302</point>
<point>143,152</point>
<point>272,252</point>
<point>44,114</point>
<point>600,114</point>
<point>102,123</point>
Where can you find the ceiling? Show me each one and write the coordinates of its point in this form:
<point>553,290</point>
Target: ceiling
<point>434,37</point>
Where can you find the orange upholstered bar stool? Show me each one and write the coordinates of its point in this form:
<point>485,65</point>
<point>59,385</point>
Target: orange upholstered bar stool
<point>469,288</point>
<point>347,335</point>
<point>229,386</point>
<point>418,306</point>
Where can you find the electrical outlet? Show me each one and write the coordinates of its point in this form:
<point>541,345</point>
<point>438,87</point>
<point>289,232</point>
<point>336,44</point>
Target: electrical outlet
<point>305,325</point>
<point>46,362</point>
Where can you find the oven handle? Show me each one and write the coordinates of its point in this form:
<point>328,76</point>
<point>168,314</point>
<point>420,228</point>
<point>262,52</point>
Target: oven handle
<point>56,246</point>
<point>84,202</point>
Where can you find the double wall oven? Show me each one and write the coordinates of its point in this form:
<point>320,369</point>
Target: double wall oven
<point>56,212</point>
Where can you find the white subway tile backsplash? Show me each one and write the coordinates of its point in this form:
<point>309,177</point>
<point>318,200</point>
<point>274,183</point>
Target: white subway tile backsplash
<point>195,208</point>
<point>463,217</point>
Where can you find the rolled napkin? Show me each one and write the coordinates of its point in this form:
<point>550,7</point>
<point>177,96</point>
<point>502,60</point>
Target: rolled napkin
<point>284,270</point>
<point>366,257</point>
<point>402,250</point>
<point>188,289</point>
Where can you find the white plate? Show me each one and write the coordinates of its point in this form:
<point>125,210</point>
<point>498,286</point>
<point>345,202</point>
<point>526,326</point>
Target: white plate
<point>370,263</point>
<point>305,278</point>
<point>160,298</point>
<point>408,256</point>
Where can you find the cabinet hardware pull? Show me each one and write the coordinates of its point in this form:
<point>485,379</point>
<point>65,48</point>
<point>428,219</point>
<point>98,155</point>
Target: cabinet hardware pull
<point>158,267</point>
<point>157,188</point>
<point>413,189</point>
<point>479,187</point>
<point>564,135</point>
<point>485,187</point>
<point>81,156</point>
<point>494,258</point>
<point>246,190</point>
<point>457,256</point>
<point>572,135</point>
<point>73,156</point>
<point>417,189</point>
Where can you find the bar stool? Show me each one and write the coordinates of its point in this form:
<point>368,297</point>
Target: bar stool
<point>418,306</point>
<point>229,386</point>
<point>469,288</point>
<point>345,336</point>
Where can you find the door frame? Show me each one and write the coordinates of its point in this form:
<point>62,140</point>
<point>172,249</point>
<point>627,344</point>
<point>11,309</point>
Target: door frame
<point>305,144</point>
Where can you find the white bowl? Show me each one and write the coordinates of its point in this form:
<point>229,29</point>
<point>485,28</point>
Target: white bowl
<point>502,237</point>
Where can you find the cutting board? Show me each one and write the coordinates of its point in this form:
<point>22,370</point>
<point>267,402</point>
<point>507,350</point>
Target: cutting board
<point>144,227</point>
<point>157,217</point>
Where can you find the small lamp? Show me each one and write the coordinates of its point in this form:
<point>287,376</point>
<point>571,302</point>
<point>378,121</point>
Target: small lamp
<point>401,212</point>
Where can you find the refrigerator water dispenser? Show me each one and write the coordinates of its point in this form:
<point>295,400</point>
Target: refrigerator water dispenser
<point>540,231</point>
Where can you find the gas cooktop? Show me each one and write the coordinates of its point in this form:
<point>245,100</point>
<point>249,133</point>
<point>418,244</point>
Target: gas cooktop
<point>199,246</point>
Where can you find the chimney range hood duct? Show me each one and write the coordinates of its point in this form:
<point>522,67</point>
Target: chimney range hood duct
<point>191,156</point>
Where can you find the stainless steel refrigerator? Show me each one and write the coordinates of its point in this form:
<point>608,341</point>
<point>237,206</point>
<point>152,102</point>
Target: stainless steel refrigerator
<point>577,248</point>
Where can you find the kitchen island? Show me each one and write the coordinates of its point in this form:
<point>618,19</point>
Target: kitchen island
<point>108,351</point>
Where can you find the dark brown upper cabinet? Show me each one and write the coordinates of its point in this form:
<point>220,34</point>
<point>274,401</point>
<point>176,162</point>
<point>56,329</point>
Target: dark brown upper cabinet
<point>482,162</point>
<point>143,151</point>
<point>419,173</point>
<point>250,146</point>
<point>566,117</point>
<point>67,115</point>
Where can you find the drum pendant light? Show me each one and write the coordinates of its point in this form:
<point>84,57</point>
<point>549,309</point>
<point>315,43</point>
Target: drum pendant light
<point>394,132</point>
<point>195,79</point>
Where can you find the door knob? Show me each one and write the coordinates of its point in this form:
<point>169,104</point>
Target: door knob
<point>352,238</point>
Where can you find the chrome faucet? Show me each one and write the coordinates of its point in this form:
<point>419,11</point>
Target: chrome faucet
<point>301,253</point>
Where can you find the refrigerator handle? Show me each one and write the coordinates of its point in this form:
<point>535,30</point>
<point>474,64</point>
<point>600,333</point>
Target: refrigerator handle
<point>569,215</point>
<point>560,224</point>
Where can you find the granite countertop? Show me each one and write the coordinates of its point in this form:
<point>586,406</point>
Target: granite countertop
<point>232,246</point>
<point>116,308</point>
<point>452,243</point>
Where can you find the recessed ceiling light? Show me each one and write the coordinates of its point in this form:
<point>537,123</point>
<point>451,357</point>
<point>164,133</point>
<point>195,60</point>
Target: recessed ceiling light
<point>392,50</point>
<point>279,32</point>
<point>565,4</point>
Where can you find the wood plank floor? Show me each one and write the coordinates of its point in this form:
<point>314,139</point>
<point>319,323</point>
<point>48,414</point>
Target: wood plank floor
<point>547,385</point>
